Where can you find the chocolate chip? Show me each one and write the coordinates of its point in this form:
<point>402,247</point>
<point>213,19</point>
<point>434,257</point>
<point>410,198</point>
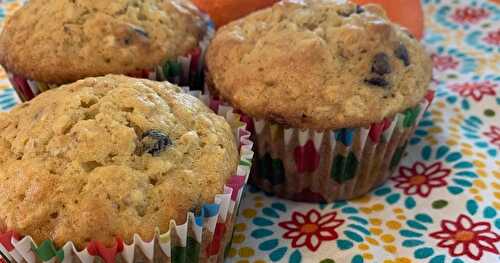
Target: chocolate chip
<point>381,64</point>
<point>377,81</point>
<point>153,181</point>
<point>359,9</point>
<point>127,40</point>
<point>154,142</point>
<point>402,53</point>
<point>54,215</point>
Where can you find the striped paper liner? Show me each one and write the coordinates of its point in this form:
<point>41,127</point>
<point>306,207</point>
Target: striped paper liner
<point>311,166</point>
<point>204,237</point>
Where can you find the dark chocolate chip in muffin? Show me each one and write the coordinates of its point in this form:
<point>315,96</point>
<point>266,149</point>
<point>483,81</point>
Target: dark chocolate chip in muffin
<point>381,64</point>
<point>154,142</point>
<point>127,40</point>
<point>377,81</point>
<point>359,9</point>
<point>402,53</point>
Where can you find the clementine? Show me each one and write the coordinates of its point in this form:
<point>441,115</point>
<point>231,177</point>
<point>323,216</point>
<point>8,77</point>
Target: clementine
<point>225,11</point>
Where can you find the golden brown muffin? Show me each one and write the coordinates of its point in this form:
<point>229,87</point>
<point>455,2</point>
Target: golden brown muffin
<point>109,157</point>
<point>60,41</point>
<point>318,64</point>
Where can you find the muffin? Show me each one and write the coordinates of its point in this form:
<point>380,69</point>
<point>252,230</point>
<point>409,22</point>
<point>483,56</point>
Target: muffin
<point>47,43</point>
<point>105,159</point>
<point>333,89</point>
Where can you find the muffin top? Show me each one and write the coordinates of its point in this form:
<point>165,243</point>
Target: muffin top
<point>60,41</point>
<point>109,157</point>
<point>318,64</point>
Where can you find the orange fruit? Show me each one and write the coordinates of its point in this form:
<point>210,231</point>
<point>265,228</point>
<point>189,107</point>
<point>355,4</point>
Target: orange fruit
<point>407,13</point>
<point>225,11</point>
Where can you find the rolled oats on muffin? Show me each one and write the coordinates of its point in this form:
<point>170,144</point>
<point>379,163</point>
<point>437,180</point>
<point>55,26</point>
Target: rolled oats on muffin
<point>334,89</point>
<point>48,43</point>
<point>104,159</point>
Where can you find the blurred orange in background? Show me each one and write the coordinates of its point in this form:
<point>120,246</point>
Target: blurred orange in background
<point>407,13</point>
<point>225,11</point>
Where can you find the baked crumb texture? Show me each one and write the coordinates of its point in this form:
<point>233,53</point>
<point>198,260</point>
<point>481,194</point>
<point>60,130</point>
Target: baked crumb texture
<point>61,41</point>
<point>110,157</point>
<point>318,64</point>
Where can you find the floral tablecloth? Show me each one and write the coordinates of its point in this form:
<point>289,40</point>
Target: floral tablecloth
<point>443,203</point>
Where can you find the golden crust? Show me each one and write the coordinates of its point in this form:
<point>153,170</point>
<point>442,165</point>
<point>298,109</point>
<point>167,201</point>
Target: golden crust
<point>307,64</point>
<point>61,41</point>
<point>71,167</point>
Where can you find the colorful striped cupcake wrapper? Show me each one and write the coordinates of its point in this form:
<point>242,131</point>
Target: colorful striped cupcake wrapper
<point>311,166</point>
<point>204,237</point>
<point>184,70</point>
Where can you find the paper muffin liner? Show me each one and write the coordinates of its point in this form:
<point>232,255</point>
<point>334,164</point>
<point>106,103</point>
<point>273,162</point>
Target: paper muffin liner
<point>204,237</point>
<point>310,166</point>
<point>185,70</point>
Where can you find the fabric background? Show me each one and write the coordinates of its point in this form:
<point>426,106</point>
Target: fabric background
<point>442,204</point>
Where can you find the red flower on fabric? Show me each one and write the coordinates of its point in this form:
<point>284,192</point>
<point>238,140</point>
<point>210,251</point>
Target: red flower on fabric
<point>494,135</point>
<point>442,63</point>
<point>493,38</point>
<point>475,90</point>
<point>311,229</point>
<point>465,237</point>
<point>421,179</point>
<point>469,15</point>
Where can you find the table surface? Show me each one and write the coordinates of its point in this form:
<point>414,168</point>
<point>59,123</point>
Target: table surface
<point>442,204</point>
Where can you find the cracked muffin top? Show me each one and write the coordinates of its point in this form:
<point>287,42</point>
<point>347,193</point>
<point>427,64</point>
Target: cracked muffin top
<point>109,157</point>
<point>318,64</point>
<point>61,41</point>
